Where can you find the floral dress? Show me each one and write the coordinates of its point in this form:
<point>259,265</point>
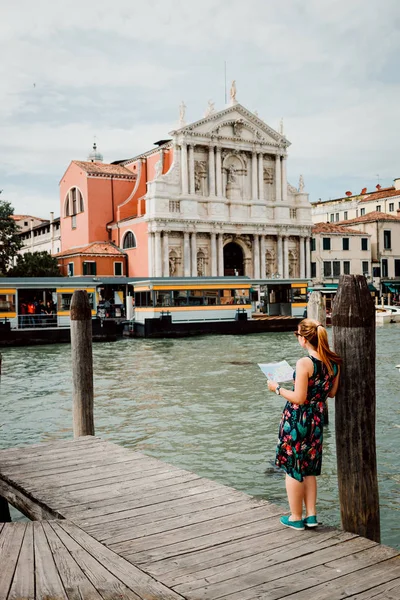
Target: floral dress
<point>299,449</point>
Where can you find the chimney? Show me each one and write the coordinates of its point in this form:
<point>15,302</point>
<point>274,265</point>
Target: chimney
<point>378,187</point>
<point>364,191</point>
<point>349,193</point>
<point>51,217</point>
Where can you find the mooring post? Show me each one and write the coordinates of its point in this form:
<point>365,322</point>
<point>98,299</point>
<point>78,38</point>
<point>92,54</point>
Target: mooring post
<point>82,364</point>
<point>316,308</point>
<point>353,319</point>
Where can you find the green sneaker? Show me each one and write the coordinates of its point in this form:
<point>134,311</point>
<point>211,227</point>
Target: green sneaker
<point>298,525</point>
<point>311,521</point>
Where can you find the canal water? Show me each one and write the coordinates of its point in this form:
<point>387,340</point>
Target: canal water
<point>200,403</point>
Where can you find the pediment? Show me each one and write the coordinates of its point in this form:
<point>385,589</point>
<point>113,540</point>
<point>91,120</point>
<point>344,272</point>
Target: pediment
<point>234,122</point>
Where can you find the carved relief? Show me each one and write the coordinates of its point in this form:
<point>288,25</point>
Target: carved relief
<point>268,174</point>
<point>201,263</point>
<point>174,262</point>
<point>270,266</point>
<point>200,176</point>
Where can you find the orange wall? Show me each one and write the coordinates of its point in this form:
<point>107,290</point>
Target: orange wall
<point>74,177</point>
<point>137,257</point>
<point>104,265</point>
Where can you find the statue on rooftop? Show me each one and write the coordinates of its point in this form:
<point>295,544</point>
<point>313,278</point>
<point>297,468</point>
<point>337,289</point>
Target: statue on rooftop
<point>233,92</point>
<point>182,111</point>
<point>301,183</point>
<point>210,108</point>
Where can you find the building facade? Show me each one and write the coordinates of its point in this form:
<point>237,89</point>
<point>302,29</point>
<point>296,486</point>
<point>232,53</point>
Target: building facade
<point>42,236</point>
<point>213,200</point>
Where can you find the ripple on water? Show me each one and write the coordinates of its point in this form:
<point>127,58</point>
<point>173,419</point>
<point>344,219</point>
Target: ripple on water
<point>200,403</point>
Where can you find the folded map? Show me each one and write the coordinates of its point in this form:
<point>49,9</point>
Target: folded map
<point>280,371</point>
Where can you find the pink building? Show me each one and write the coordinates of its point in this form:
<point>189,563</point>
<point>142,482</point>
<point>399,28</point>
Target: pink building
<point>213,200</point>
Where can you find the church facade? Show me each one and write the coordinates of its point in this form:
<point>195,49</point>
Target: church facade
<point>213,200</point>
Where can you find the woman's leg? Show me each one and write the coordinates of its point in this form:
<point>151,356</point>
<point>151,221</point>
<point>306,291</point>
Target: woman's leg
<point>295,494</point>
<point>310,495</point>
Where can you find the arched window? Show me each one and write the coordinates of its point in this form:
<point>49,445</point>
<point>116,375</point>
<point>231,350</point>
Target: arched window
<point>73,202</point>
<point>129,241</point>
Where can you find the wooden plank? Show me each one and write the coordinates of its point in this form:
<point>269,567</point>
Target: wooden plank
<point>177,566</point>
<point>34,508</point>
<point>268,550</point>
<point>23,585</point>
<point>145,586</point>
<point>364,570</point>
<point>47,580</point>
<point>130,531</point>
<point>200,536</point>
<point>170,508</point>
<point>75,582</point>
<point>40,447</point>
<point>11,537</point>
<point>387,591</point>
<point>255,571</point>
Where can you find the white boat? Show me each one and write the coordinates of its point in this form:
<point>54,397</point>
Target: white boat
<point>395,311</point>
<point>385,315</point>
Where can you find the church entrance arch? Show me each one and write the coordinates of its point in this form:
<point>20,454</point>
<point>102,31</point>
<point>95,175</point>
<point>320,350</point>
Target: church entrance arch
<point>233,259</point>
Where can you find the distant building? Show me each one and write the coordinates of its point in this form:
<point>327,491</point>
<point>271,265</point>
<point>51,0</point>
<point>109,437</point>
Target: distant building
<point>213,200</point>
<point>386,200</point>
<point>25,222</point>
<point>41,235</point>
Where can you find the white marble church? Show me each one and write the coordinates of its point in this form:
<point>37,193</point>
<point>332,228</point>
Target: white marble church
<point>225,207</point>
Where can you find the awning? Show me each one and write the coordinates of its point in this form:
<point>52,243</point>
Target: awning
<point>393,287</point>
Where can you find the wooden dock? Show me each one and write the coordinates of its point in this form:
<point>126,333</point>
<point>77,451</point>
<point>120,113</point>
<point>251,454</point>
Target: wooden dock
<point>112,523</point>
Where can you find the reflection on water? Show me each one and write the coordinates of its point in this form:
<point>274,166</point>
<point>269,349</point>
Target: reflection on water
<point>199,403</point>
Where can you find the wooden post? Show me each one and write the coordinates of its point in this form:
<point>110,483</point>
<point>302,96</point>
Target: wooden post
<point>1,360</point>
<point>353,320</point>
<point>5,516</point>
<point>82,364</point>
<point>316,308</point>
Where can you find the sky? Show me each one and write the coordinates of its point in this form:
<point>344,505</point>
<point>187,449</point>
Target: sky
<point>78,71</point>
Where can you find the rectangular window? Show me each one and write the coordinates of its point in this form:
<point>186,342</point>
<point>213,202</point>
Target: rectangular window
<point>387,239</point>
<point>64,300</point>
<point>378,208</point>
<point>299,294</point>
<point>73,222</point>
<point>326,243</point>
<point>313,269</point>
<point>362,212</point>
<point>384,267</point>
<point>365,267</point>
<point>89,268</point>
<point>336,268</point>
<point>364,243</point>
<point>345,215</point>
<point>376,271</point>
<point>391,206</point>
<point>346,267</point>
<point>313,246</point>
<point>117,269</point>
<point>70,269</point>
<point>346,243</point>
<point>337,216</point>
<point>332,218</point>
<point>327,269</point>
<point>7,303</point>
<point>397,268</point>
<point>163,298</point>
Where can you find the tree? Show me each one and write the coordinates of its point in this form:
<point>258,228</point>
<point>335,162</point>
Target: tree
<point>10,241</point>
<point>35,264</point>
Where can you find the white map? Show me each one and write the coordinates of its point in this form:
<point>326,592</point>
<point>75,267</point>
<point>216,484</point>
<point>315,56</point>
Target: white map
<point>280,371</point>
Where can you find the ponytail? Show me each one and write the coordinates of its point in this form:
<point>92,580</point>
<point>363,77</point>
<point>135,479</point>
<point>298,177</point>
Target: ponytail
<point>317,336</point>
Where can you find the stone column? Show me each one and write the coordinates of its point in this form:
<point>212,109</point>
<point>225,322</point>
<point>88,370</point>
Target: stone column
<point>157,252</point>
<point>284,179</point>
<point>285,258</point>
<point>184,168</point>
<point>150,249</point>
<point>262,257</point>
<point>302,258</point>
<point>254,183</point>
<point>261,176</point>
<point>211,171</point>
<point>308,258</point>
<point>278,186</point>
<point>186,255</point>
<point>191,169</point>
<point>220,243</point>
<point>193,251</point>
<point>213,254</point>
<point>256,257</point>
<point>218,168</point>
<point>166,254</point>
<point>279,254</point>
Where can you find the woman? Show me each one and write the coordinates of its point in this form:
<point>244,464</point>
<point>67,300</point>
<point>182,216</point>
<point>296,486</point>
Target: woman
<point>299,450</point>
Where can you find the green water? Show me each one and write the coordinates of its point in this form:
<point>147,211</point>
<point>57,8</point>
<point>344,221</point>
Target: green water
<point>199,403</point>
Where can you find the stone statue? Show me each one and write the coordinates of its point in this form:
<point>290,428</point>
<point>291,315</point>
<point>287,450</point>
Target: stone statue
<point>301,183</point>
<point>281,127</point>
<point>182,111</point>
<point>172,265</point>
<point>231,174</point>
<point>159,167</point>
<point>210,108</point>
<point>233,92</point>
<point>200,265</point>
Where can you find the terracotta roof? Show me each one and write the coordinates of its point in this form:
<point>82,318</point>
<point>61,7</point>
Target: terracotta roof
<point>334,228</point>
<point>95,249</point>
<point>371,217</point>
<point>384,193</point>
<point>21,217</point>
<point>93,168</point>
